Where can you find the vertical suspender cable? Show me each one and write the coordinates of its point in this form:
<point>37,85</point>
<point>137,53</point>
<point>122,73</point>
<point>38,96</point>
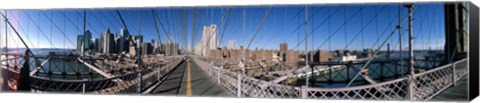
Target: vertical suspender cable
<point>399,27</point>
<point>306,43</point>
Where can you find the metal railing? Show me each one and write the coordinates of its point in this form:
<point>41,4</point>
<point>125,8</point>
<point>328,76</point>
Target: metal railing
<point>426,84</point>
<point>128,83</point>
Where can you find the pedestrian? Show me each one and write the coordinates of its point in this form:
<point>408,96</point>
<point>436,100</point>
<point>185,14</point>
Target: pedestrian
<point>24,81</point>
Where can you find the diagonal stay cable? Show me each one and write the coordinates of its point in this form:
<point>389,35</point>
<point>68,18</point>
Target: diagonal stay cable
<point>302,24</point>
<point>89,24</point>
<point>363,28</point>
<point>112,15</point>
<point>221,21</point>
<point>24,31</point>
<point>259,27</point>
<point>297,14</point>
<point>338,29</point>
<point>157,18</point>
<point>224,27</point>
<point>41,31</point>
<point>422,21</point>
<point>109,21</point>
<point>156,27</point>
<point>298,27</point>
<point>18,34</point>
<point>71,22</point>
<point>121,18</point>
<point>383,33</point>
<point>96,18</point>
<point>378,50</point>
<point>56,26</point>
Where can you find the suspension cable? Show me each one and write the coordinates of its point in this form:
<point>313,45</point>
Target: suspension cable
<point>89,24</point>
<point>157,19</point>
<point>56,26</point>
<point>332,34</point>
<point>96,18</point>
<point>156,27</point>
<point>300,25</point>
<point>24,31</point>
<point>259,27</point>
<point>16,32</point>
<point>109,21</point>
<point>225,24</point>
<point>378,49</point>
<point>362,29</point>
<point>39,29</point>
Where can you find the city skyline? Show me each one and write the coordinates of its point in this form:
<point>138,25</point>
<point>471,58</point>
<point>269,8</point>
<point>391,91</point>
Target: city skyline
<point>283,24</point>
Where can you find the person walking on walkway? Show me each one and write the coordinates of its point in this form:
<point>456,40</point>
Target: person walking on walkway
<point>24,81</point>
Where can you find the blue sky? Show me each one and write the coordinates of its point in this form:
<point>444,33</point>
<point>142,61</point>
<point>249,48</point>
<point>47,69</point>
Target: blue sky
<point>280,26</point>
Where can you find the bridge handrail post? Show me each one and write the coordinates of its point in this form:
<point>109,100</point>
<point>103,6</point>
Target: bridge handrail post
<point>83,88</point>
<point>139,88</point>
<point>218,75</point>
<point>159,70</point>
<point>239,85</point>
<point>453,74</point>
<point>304,92</point>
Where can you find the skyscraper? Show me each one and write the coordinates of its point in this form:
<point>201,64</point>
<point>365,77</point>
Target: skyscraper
<point>122,41</point>
<point>232,44</point>
<point>108,42</point>
<point>94,45</point>
<point>100,44</point>
<point>80,41</point>
<point>209,40</point>
<point>87,38</point>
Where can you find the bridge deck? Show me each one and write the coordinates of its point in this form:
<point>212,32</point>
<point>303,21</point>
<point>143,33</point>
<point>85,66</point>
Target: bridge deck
<point>193,82</point>
<point>455,93</point>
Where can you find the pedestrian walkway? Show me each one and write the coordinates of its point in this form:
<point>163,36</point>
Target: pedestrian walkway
<point>190,80</point>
